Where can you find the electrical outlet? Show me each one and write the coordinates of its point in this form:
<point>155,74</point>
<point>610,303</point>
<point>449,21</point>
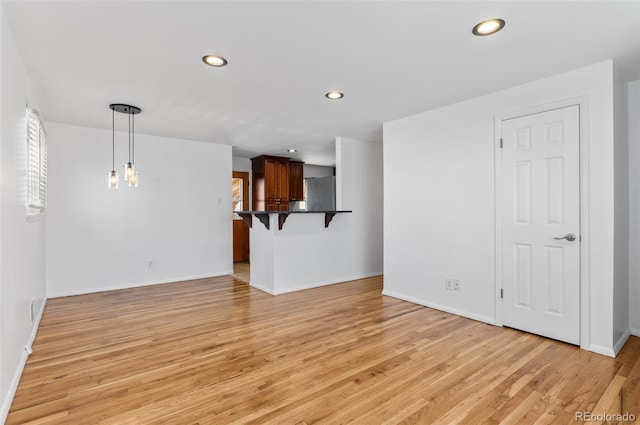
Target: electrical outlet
<point>456,285</point>
<point>448,284</point>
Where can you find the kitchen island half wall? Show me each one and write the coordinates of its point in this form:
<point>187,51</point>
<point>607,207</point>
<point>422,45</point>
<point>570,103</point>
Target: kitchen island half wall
<point>302,253</point>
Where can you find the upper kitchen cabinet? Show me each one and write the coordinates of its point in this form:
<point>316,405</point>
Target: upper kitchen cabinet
<point>270,183</point>
<point>296,180</point>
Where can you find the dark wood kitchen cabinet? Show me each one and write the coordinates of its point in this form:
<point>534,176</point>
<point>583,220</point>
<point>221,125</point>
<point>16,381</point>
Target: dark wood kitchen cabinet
<point>270,183</point>
<point>296,180</point>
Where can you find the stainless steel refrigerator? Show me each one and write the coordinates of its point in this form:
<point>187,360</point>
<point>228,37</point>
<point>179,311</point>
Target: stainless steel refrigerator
<point>321,194</point>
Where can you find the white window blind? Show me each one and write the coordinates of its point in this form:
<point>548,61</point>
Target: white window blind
<point>36,161</point>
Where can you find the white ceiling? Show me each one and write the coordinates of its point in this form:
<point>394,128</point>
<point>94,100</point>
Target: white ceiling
<point>390,58</point>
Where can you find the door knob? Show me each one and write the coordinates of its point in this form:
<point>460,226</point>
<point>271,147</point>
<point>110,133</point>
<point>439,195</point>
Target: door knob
<point>569,236</point>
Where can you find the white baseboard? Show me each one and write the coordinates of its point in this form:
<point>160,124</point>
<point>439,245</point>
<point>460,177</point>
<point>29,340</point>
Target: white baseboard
<point>312,285</point>
<point>446,309</point>
<point>620,343</point>
<point>13,386</point>
<point>85,291</point>
<point>609,351</point>
<point>325,283</point>
<point>261,288</point>
<point>599,349</point>
<point>635,331</point>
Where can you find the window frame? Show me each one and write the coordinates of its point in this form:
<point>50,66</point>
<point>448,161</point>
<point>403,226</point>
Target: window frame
<point>36,166</point>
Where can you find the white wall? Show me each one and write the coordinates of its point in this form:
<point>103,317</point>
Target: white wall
<point>634,206</point>
<point>100,239</point>
<point>621,206</point>
<point>439,199</point>
<point>359,187</point>
<point>317,171</point>
<point>22,255</point>
<point>241,164</point>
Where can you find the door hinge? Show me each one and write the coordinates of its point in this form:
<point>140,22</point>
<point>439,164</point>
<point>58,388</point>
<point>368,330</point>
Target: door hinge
<point>501,143</point>
<point>501,293</point>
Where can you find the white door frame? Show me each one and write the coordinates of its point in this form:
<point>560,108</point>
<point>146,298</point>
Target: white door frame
<point>583,107</point>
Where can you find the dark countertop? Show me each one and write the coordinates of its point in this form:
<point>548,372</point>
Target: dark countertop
<point>293,212</point>
<point>263,216</point>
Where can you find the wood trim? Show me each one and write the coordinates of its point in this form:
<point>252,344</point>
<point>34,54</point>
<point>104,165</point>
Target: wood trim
<point>244,175</point>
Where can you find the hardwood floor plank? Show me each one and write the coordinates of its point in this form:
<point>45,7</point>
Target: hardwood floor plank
<point>216,351</point>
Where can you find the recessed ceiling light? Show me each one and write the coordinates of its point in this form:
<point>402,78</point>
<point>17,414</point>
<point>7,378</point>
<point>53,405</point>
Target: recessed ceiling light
<point>334,95</point>
<point>214,60</point>
<point>488,27</point>
<point>291,150</point>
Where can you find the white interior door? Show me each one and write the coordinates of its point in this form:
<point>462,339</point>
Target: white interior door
<point>541,204</point>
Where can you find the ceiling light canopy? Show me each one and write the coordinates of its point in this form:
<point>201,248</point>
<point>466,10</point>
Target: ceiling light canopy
<point>214,60</point>
<point>488,27</point>
<point>334,95</point>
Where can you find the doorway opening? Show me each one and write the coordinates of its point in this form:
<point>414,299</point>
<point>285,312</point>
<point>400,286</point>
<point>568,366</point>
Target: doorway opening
<point>240,202</point>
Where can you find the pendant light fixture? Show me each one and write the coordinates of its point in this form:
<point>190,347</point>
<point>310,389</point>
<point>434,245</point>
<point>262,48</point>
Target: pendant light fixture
<point>130,174</point>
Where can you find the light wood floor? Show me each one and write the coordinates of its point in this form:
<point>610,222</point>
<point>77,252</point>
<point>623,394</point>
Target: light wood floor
<point>242,271</point>
<point>215,351</point>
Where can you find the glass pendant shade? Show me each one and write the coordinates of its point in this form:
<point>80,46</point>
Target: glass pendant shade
<point>129,171</point>
<point>113,179</point>
<point>133,180</point>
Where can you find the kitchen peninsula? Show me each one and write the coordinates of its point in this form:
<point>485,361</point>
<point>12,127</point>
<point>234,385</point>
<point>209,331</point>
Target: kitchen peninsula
<point>298,240</point>
<point>305,253</point>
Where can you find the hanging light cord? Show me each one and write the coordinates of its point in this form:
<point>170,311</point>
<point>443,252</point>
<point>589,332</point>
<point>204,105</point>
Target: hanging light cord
<point>113,140</point>
<point>133,144</point>
<point>129,136</point>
